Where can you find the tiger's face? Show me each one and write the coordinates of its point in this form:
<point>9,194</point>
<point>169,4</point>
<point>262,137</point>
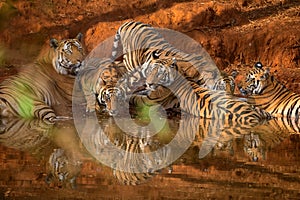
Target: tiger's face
<point>111,98</point>
<point>110,76</point>
<point>226,83</point>
<point>63,170</point>
<point>159,71</point>
<point>256,81</point>
<point>68,55</point>
<point>253,147</point>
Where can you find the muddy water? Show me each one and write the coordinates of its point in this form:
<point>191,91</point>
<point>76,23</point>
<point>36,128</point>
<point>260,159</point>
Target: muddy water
<point>186,158</point>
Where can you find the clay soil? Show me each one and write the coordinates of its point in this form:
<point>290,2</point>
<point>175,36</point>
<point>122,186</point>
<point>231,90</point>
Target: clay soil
<point>235,33</point>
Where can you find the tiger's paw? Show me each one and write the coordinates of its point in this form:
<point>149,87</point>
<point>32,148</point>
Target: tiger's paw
<point>52,120</point>
<point>90,109</point>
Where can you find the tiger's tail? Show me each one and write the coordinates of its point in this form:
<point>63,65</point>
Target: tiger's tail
<point>43,111</point>
<point>115,46</point>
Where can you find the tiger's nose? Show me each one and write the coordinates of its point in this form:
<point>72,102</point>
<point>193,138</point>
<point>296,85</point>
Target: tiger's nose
<point>243,92</point>
<point>151,86</point>
<point>113,112</point>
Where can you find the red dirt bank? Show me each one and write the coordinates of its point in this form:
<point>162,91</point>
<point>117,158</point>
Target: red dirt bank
<point>235,33</point>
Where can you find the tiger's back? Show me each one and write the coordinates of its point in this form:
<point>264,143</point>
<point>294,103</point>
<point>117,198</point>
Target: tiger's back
<point>44,88</point>
<point>141,42</point>
<point>202,102</point>
<point>266,92</point>
<point>98,80</point>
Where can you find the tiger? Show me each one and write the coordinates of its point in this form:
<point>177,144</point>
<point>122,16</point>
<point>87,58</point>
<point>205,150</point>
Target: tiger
<point>265,92</point>
<point>136,91</point>
<point>127,155</point>
<point>63,169</point>
<point>226,82</point>
<point>168,100</point>
<point>40,89</point>
<point>31,135</point>
<point>142,43</point>
<point>205,103</point>
<point>202,102</point>
<point>156,72</point>
<point>253,147</point>
<point>98,80</point>
<point>162,95</point>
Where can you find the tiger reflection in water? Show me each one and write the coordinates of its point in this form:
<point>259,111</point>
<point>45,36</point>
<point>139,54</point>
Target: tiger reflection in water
<point>128,167</point>
<point>205,137</point>
<point>36,137</point>
<point>252,143</point>
<point>202,134</point>
<point>62,169</point>
<point>26,135</point>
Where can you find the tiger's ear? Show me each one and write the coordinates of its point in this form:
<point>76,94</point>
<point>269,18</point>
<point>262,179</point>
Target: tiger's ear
<point>234,73</point>
<point>79,37</point>
<point>156,54</point>
<point>174,60</point>
<point>258,65</point>
<point>266,74</point>
<point>174,63</point>
<point>53,43</point>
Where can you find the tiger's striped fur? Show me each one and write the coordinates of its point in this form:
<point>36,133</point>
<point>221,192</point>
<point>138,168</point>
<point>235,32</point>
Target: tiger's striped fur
<point>162,95</point>
<point>40,88</point>
<point>202,102</point>
<point>226,82</point>
<point>98,80</point>
<point>128,155</point>
<point>63,168</point>
<point>141,43</point>
<point>267,93</point>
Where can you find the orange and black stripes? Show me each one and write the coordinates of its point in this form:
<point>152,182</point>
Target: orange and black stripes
<point>267,93</point>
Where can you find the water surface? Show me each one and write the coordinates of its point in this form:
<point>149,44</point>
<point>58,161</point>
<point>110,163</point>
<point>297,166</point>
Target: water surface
<point>219,162</point>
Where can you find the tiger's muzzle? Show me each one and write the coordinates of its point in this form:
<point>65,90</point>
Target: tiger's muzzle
<point>75,68</point>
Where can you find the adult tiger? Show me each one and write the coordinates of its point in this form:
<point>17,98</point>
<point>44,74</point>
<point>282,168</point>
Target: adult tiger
<point>267,93</point>
<point>205,103</point>
<point>98,80</point>
<point>44,88</point>
<point>202,102</point>
<point>162,95</point>
<point>141,43</point>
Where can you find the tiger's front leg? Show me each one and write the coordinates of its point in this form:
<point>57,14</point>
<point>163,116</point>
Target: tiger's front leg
<point>44,112</point>
<point>90,102</point>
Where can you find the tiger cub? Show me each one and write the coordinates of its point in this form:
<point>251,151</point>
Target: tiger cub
<point>98,80</point>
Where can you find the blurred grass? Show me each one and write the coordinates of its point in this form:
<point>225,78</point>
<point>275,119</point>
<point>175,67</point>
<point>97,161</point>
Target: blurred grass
<point>7,11</point>
<point>2,55</point>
